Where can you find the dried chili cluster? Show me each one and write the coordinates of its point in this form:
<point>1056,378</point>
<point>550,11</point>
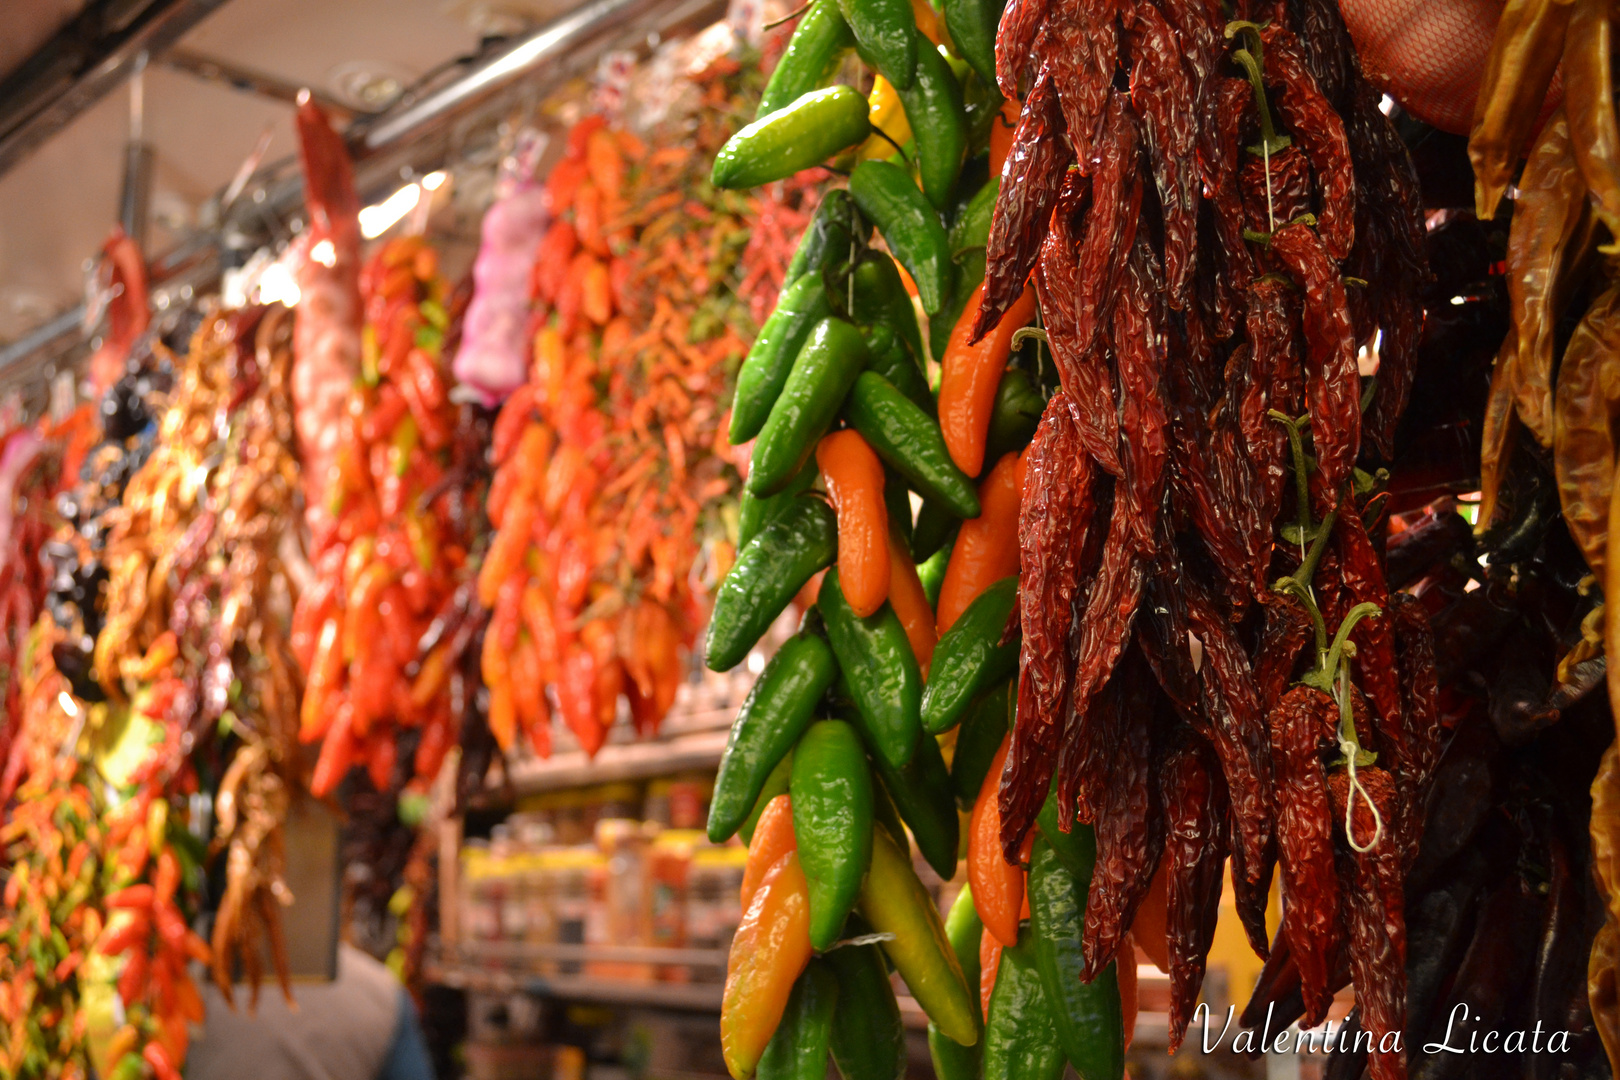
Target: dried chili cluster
<point>380,630</point>
<point>611,461</point>
<point>1218,219</point>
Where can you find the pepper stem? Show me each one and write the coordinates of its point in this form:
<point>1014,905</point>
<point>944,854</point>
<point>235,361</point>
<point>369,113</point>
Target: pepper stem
<point>1302,484</point>
<point>1302,593</point>
<point>1270,141</point>
<point>1341,640</point>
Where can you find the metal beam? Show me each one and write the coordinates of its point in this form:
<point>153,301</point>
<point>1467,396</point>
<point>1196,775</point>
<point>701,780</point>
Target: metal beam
<point>236,77</point>
<point>85,60</point>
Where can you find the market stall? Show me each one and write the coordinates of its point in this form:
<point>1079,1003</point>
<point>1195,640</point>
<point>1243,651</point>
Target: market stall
<point>983,540</point>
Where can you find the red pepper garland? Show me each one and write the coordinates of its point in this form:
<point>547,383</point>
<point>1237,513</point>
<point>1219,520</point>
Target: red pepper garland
<point>1211,248</point>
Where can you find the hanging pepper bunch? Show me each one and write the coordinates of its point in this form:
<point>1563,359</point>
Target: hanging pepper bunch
<point>1206,252</point>
<point>1556,386</point>
<point>374,631</point>
<point>37,464</point>
<point>610,468</point>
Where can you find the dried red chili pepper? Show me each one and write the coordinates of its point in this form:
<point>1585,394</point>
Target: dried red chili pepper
<point>1138,348</point>
<point>1031,177</point>
<point>1220,145</point>
<point>1130,832</point>
<point>1333,385</point>
<point>1080,43</point>
<point>1058,503</point>
<point>1287,632</point>
<point>1420,697</point>
<point>1284,198</point>
<point>1163,94</point>
<point>1071,331</point>
<point>1319,133</point>
<point>1305,842</point>
<point>1103,632</point>
<point>1375,913</point>
<point>1276,381</point>
<point>1016,35</point>
<point>1363,577</point>
<point>1194,863</point>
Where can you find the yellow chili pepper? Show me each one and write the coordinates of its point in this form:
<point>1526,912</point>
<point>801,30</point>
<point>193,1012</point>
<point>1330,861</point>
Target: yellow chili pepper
<point>771,948</point>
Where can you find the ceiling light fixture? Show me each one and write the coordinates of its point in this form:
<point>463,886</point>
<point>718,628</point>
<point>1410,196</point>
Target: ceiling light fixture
<point>376,220</point>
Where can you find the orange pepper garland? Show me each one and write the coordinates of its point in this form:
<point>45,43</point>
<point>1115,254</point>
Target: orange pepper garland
<point>854,478</point>
<point>987,547</point>
<point>611,464</point>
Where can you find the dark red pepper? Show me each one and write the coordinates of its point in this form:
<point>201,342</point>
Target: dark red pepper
<point>1164,96</point>
<point>1194,865</point>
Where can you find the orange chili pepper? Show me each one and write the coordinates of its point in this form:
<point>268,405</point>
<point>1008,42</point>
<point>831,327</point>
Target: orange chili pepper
<point>910,603</point>
<point>552,257</point>
<point>576,693</point>
<point>564,182</point>
<point>1001,136</point>
<point>969,375</point>
<point>382,752</point>
<point>998,889</point>
<point>588,218</point>
<point>989,963</point>
<point>432,678</point>
<point>325,669</point>
<point>503,719</point>
<point>773,838</point>
<point>337,752</point>
<point>596,298</point>
<point>854,478</point>
<point>1148,927</point>
<point>1129,1001</point>
<point>987,546</point>
<point>166,878</point>
<point>771,948</point>
<point>506,551</point>
<point>604,162</point>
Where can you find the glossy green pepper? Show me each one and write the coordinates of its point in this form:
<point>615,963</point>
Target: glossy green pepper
<point>897,501</point>
<point>1088,1017</point>
<point>811,58</point>
<point>868,1040</point>
<point>803,1039</point>
<point>977,741</point>
<point>774,715</point>
<point>933,531</point>
<point>886,37</point>
<point>765,369</point>
<point>909,441</point>
<point>1021,1038</point>
<point>895,902</point>
<point>769,573</point>
<point>910,226</point>
<point>1075,849</point>
<point>775,784</point>
<point>924,798</point>
<point>963,928</point>
<point>892,359</point>
<point>1015,415</point>
<point>969,659</point>
<point>931,571</point>
<point>793,138</point>
<point>883,808</point>
<point>831,788</point>
<point>971,229</point>
<point>876,660</point>
<point>822,374</point>
<point>972,25</point>
<point>835,226</point>
<point>754,513</point>
<point>879,296</point>
<point>933,108</point>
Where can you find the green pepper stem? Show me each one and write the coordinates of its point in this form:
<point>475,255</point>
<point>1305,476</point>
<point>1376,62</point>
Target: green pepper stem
<point>1023,334</point>
<point>1302,593</point>
<point>1270,141</point>
<point>1302,485</point>
<point>1355,615</point>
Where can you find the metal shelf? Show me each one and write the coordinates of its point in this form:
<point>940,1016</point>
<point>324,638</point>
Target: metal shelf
<point>684,997</point>
<point>695,742</point>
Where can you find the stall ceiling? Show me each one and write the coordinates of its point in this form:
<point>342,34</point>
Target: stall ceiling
<point>57,206</point>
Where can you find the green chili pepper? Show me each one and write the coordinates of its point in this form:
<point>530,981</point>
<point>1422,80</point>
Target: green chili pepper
<point>868,1041</point>
<point>886,37</point>
<point>775,784</point>
<point>1021,1037</point>
<point>880,296</point>
<point>971,229</point>
<point>909,440</point>
<point>768,573</point>
<point>922,793</point>
<point>774,715</point>
<point>892,359</point>
<point>811,58</point>
<point>933,108</point>
<point>822,374</point>
<point>977,741</point>
<point>972,25</point>
<point>831,787</point>
<point>969,658</point>
<point>876,660</point>
<point>765,369</point>
<point>803,1039</point>
<point>910,226</point>
<point>754,513</point>
<point>836,226</point>
<point>809,131</point>
<point>895,902</point>
<point>897,501</point>
<point>931,571</point>
<point>1015,415</point>
<point>1088,1017</point>
<point>883,808</point>
<point>934,528</point>
<point>1075,849</point>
